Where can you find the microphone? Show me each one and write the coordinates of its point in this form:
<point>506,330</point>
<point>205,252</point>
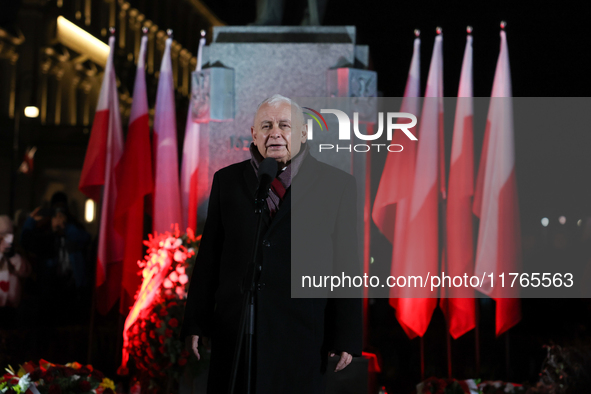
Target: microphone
<point>267,172</point>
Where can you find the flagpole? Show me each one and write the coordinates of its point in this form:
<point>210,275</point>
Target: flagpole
<point>122,300</point>
<point>507,342</point>
<point>91,322</point>
<point>507,356</point>
<point>443,253</point>
<point>476,299</point>
<point>417,33</point>
<point>121,320</point>
<point>422,343</point>
<point>200,52</point>
<point>367,239</point>
<point>94,299</point>
<point>477,334</point>
<point>445,257</point>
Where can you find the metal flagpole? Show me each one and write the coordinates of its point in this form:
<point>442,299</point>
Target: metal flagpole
<point>422,359</point>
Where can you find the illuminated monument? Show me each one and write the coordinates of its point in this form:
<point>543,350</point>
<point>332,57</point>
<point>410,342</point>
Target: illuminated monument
<point>243,65</point>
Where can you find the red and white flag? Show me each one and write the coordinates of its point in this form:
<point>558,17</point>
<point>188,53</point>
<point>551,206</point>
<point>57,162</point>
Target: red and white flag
<point>167,199</point>
<point>421,253</point>
<point>398,174</point>
<point>392,204</point>
<point>457,303</point>
<point>102,155</point>
<point>190,164</point>
<point>495,201</point>
<point>189,174</point>
<point>134,182</point>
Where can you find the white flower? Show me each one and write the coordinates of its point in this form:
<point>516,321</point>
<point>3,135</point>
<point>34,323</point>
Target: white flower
<point>75,377</point>
<point>24,383</point>
<point>179,256</point>
<point>180,291</point>
<point>183,279</point>
<point>172,243</point>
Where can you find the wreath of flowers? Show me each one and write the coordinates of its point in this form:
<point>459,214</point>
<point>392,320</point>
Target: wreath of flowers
<point>435,385</point>
<point>48,378</point>
<point>153,339</point>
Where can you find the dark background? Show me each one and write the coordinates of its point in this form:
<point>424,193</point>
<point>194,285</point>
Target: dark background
<point>549,49</point>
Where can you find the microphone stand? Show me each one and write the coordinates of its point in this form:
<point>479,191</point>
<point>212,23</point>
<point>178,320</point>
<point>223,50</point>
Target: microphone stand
<point>247,317</point>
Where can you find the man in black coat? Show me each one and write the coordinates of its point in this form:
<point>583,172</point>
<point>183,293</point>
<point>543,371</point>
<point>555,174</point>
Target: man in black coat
<point>293,336</point>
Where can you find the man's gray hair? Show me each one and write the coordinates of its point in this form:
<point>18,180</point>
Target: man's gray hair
<point>277,99</point>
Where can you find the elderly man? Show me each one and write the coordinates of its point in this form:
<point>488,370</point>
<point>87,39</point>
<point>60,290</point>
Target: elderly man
<point>293,336</point>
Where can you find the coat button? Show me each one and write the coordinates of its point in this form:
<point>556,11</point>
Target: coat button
<point>260,285</point>
<point>266,243</point>
<point>260,268</point>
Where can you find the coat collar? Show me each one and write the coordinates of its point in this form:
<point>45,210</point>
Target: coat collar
<point>303,181</point>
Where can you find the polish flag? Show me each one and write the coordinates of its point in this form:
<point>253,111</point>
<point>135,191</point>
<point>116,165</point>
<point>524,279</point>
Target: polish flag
<point>167,199</point>
<point>102,155</point>
<point>190,164</point>
<point>420,255</point>
<point>495,201</point>
<point>457,303</point>
<point>398,174</point>
<point>190,173</point>
<point>392,203</point>
<point>134,182</point>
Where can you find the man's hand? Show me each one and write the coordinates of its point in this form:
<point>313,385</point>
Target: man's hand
<point>343,362</point>
<point>192,344</point>
<point>35,214</point>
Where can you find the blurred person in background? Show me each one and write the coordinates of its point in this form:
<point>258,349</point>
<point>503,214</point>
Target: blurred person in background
<point>13,268</point>
<point>58,244</point>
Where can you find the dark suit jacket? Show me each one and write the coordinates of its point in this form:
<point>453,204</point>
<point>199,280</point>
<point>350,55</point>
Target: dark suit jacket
<point>293,335</point>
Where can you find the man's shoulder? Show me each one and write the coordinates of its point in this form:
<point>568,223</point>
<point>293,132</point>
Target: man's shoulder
<point>232,170</point>
<point>330,172</point>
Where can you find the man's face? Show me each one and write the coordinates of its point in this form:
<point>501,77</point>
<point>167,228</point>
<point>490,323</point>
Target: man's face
<point>275,134</point>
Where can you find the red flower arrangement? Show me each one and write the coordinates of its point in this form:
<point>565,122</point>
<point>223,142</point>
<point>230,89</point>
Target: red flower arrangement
<point>435,385</point>
<point>153,325</point>
<point>48,378</point>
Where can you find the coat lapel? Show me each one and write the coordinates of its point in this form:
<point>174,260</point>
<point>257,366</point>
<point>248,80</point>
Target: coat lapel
<point>250,179</point>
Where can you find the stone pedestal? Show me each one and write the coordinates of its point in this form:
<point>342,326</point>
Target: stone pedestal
<point>291,61</point>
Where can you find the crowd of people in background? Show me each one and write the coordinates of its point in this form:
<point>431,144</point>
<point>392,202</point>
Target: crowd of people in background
<point>45,268</point>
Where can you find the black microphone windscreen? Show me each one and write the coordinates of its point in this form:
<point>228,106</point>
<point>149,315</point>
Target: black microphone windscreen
<point>268,167</point>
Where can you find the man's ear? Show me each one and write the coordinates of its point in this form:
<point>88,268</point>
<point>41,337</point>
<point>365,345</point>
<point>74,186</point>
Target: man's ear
<point>304,132</point>
<point>252,134</point>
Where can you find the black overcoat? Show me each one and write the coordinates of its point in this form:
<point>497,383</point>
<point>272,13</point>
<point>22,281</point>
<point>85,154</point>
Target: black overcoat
<point>293,335</point>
